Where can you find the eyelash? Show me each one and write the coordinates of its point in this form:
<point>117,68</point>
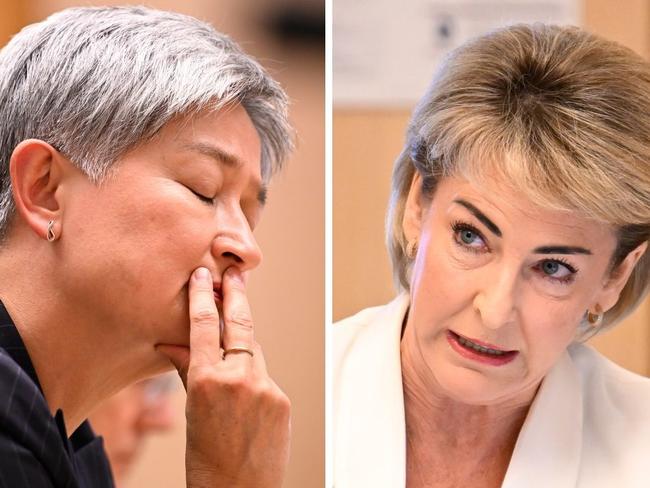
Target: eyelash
<point>203,198</point>
<point>459,226</point>
<point>210,201</point>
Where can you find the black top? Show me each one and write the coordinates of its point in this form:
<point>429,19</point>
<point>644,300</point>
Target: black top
<point>35,450</point>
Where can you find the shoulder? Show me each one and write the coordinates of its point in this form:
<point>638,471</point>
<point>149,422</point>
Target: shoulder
<point>19,395</point>
<point>617,389</point>
<point>350,333</point>
<point>616,417</point>
<point>24,413</point>
<point>346,331</point>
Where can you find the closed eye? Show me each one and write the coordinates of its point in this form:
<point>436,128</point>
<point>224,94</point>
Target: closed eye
<point>201,197</point>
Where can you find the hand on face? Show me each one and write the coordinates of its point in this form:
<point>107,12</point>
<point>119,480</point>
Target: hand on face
<point>238,419</point>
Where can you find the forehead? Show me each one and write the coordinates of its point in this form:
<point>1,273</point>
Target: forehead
<point>226,136</point>
<point>516,214</point>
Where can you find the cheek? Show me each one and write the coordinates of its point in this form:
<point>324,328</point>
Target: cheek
<point>548,328</point>
<point>165,226</point>
<point>144,246</point>
<point>437,277</point>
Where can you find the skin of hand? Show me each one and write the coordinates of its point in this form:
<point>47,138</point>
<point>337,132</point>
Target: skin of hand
<point>238,419</point>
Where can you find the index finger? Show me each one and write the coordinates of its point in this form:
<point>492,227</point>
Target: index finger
<point>204,321</point>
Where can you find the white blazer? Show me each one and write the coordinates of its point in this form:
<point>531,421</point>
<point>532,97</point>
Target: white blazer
<point>588,427</point>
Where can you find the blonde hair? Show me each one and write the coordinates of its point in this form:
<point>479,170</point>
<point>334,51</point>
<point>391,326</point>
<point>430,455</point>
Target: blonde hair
<point>554,111</point>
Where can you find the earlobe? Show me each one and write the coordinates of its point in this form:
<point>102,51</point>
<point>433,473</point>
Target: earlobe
<point>36,173</point>
<point>412,220</point>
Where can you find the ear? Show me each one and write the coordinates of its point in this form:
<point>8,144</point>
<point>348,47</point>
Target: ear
<point>36,171</point>
<point>413,210</point>
<point>619,276</point>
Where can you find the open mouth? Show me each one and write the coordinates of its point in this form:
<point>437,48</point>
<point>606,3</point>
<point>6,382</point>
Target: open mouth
<point>480,351</point>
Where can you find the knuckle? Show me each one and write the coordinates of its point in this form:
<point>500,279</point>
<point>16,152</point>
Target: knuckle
<point>236,381</point>
<point>203,382</point>
<point>205,316</point>
<point>283,402</point>
<point>286,402</point>
<point>268,392</point>
<point>264,390</point>
<point>241,319</point>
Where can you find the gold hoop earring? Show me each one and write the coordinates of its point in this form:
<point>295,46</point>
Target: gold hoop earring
<point>595,319</point>
<point>411,248</point>
<point>51,236</point>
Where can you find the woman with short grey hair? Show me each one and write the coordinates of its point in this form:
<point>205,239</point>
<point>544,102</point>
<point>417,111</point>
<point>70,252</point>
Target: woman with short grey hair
<point>518,227</point>
<point>135,151</point>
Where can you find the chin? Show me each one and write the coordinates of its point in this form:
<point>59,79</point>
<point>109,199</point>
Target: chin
<point>174,330</point>
<point>469,386</point>
<point>153,364</point>
<point>163,365</point>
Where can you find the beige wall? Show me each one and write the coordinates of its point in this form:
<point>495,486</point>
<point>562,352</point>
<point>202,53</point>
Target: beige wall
<point>366,141</point>
<point>11,19</point>
<point>287,292</point>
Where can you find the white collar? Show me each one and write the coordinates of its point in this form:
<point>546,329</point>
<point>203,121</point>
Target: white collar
<point>370,428</point>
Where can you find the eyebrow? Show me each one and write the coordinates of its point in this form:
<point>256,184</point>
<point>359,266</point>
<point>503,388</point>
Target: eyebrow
<point>552,249</point>
<point>561,250</point>
<point>228,159</point>
<point>481,216</point>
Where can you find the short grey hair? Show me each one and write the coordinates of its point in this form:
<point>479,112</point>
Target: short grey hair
<point>94,82</point>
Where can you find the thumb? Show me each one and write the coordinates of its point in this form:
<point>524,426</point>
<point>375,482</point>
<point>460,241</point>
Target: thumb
<point>179,357</point>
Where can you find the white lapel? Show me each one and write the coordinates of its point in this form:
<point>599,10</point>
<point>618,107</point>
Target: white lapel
<point>370,430</point>
<point>370,441</point>
<point>548,450</point>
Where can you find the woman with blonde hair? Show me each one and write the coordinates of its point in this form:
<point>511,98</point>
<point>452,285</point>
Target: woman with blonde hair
<point>518,226</point>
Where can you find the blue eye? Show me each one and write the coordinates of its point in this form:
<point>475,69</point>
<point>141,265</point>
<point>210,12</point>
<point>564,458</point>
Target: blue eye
<point>468,237</point>
<point>550,267</point>
<point>557,270</point>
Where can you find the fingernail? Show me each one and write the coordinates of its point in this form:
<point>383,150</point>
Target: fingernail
<point>202,274</point>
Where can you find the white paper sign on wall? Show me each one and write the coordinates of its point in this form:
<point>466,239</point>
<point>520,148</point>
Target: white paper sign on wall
<point>385,51</point>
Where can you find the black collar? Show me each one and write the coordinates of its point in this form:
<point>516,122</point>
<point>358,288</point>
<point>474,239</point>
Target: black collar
<point>11,342</point>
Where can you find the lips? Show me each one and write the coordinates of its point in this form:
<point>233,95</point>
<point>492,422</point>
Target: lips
<point>216,289</point>
<point>480,351</point>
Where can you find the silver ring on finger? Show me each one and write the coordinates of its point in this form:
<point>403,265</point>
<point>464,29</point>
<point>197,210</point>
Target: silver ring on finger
<point>237,349</point>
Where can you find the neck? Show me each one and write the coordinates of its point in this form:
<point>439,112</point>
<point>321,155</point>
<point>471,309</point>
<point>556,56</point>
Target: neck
<point>477,437</point>
<point>79,363</point>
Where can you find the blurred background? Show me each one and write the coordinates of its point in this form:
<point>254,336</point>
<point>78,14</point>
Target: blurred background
<point>144,426</point>
<point>384,56</point>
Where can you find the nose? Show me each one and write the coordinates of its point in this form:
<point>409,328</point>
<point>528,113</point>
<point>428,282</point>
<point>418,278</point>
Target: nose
<point>235,243</point>
<point>496,300</point>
